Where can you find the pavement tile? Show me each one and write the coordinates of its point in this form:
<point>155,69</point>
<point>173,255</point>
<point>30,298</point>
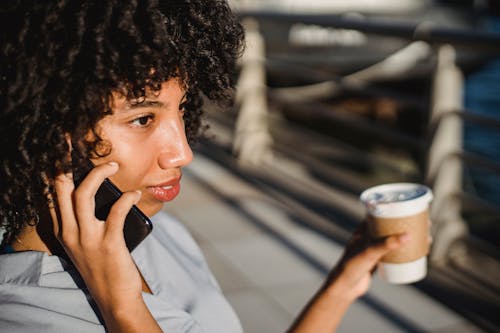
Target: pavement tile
<point>459,327</point>
<point>362,318</point>
<point>218,178</point>
<point>408,302</point>
<point>265,261</point>
<point>192,193</point>
<point>293,297</point>
<point>258,314</point>
<point>278,220</point>
<point>273,214</point>
<point>230,279</point>
<point>400,311</point>
<point>323,251</point>
<point>215,221</point>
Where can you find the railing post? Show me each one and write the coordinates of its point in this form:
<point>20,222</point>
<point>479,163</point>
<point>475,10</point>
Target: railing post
<point>252,143</point>
<point>444,170</point>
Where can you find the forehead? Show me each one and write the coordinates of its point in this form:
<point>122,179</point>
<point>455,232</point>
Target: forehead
<point>171,91</point>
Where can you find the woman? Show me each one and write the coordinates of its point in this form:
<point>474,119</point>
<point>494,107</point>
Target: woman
<point>119,82</point>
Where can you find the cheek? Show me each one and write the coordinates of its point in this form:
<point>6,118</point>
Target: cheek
<point>126,181</point>
<point>131,174</point>
<point>135,154</point>
<point>134,166</point>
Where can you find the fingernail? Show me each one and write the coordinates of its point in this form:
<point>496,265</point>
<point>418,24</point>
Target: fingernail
<point>114,165</point>
<point>138,197</point>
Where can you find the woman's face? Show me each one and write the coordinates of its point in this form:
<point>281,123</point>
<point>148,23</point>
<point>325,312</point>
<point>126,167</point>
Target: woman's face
<point>148,142</point>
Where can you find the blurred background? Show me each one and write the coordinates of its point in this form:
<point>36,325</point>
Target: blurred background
<point>333,97</point>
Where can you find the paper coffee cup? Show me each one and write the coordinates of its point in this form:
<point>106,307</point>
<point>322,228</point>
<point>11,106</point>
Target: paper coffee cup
<point>394,209</point>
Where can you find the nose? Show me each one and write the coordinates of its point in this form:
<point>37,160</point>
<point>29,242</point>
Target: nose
<point>175,151</point>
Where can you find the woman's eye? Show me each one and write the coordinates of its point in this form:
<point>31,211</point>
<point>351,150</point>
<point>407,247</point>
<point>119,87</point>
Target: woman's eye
<point>143,121</point>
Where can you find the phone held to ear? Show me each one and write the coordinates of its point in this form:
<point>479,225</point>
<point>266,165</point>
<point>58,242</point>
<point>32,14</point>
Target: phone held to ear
<point>137,224</point>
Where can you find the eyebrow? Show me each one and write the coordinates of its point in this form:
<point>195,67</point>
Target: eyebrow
<point>133,105</point>
<point>144,104</point>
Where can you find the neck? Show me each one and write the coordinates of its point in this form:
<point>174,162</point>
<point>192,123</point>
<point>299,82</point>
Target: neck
<point>28,240</point>
<point>39,237</point>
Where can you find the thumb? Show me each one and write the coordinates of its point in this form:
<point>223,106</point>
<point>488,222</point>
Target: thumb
<point>366,260</point>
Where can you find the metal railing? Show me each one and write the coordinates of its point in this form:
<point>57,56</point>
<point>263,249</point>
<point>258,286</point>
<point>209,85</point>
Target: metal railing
<point>444,143</point>
<point>426,32</point>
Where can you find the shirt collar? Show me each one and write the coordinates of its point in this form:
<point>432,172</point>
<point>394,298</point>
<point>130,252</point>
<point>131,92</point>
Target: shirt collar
<point>26,268</point>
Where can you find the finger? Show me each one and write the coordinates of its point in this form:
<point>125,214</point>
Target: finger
<point>53,214</point>
<point>366,260</point>
<point>50,202</point>
<point>116,218</point>
<point>86,191</point>
<point>63,217</point>
<point>59,202</point>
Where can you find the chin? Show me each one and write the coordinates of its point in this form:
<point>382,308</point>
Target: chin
<point>150,209</point>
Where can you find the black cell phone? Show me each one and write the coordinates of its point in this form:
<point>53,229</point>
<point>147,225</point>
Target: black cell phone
<point>137,224</point>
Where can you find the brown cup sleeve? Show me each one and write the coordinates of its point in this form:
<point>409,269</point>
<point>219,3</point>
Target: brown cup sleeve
<point>416,226</point>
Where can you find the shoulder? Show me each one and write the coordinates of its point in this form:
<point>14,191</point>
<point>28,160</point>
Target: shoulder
<point>21,267</point>
<point>39,294</point>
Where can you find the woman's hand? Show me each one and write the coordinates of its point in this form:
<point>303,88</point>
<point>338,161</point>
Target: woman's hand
<point>97,248</point>
<point>361,255</point>
<point>348,280</point>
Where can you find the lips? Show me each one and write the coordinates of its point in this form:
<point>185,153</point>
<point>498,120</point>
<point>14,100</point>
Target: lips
<point>166,191</point>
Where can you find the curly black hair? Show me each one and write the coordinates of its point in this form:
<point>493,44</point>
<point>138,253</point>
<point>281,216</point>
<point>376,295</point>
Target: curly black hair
<point>61,61</point>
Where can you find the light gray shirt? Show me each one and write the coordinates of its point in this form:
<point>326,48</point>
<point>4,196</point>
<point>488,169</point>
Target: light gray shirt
<point>43,293</point>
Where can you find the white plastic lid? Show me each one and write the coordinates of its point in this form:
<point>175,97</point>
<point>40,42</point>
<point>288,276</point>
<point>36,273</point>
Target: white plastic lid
<point>396,199</point>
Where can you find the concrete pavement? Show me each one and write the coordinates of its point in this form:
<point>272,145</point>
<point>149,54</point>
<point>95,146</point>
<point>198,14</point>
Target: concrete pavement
<point>268,265</point>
